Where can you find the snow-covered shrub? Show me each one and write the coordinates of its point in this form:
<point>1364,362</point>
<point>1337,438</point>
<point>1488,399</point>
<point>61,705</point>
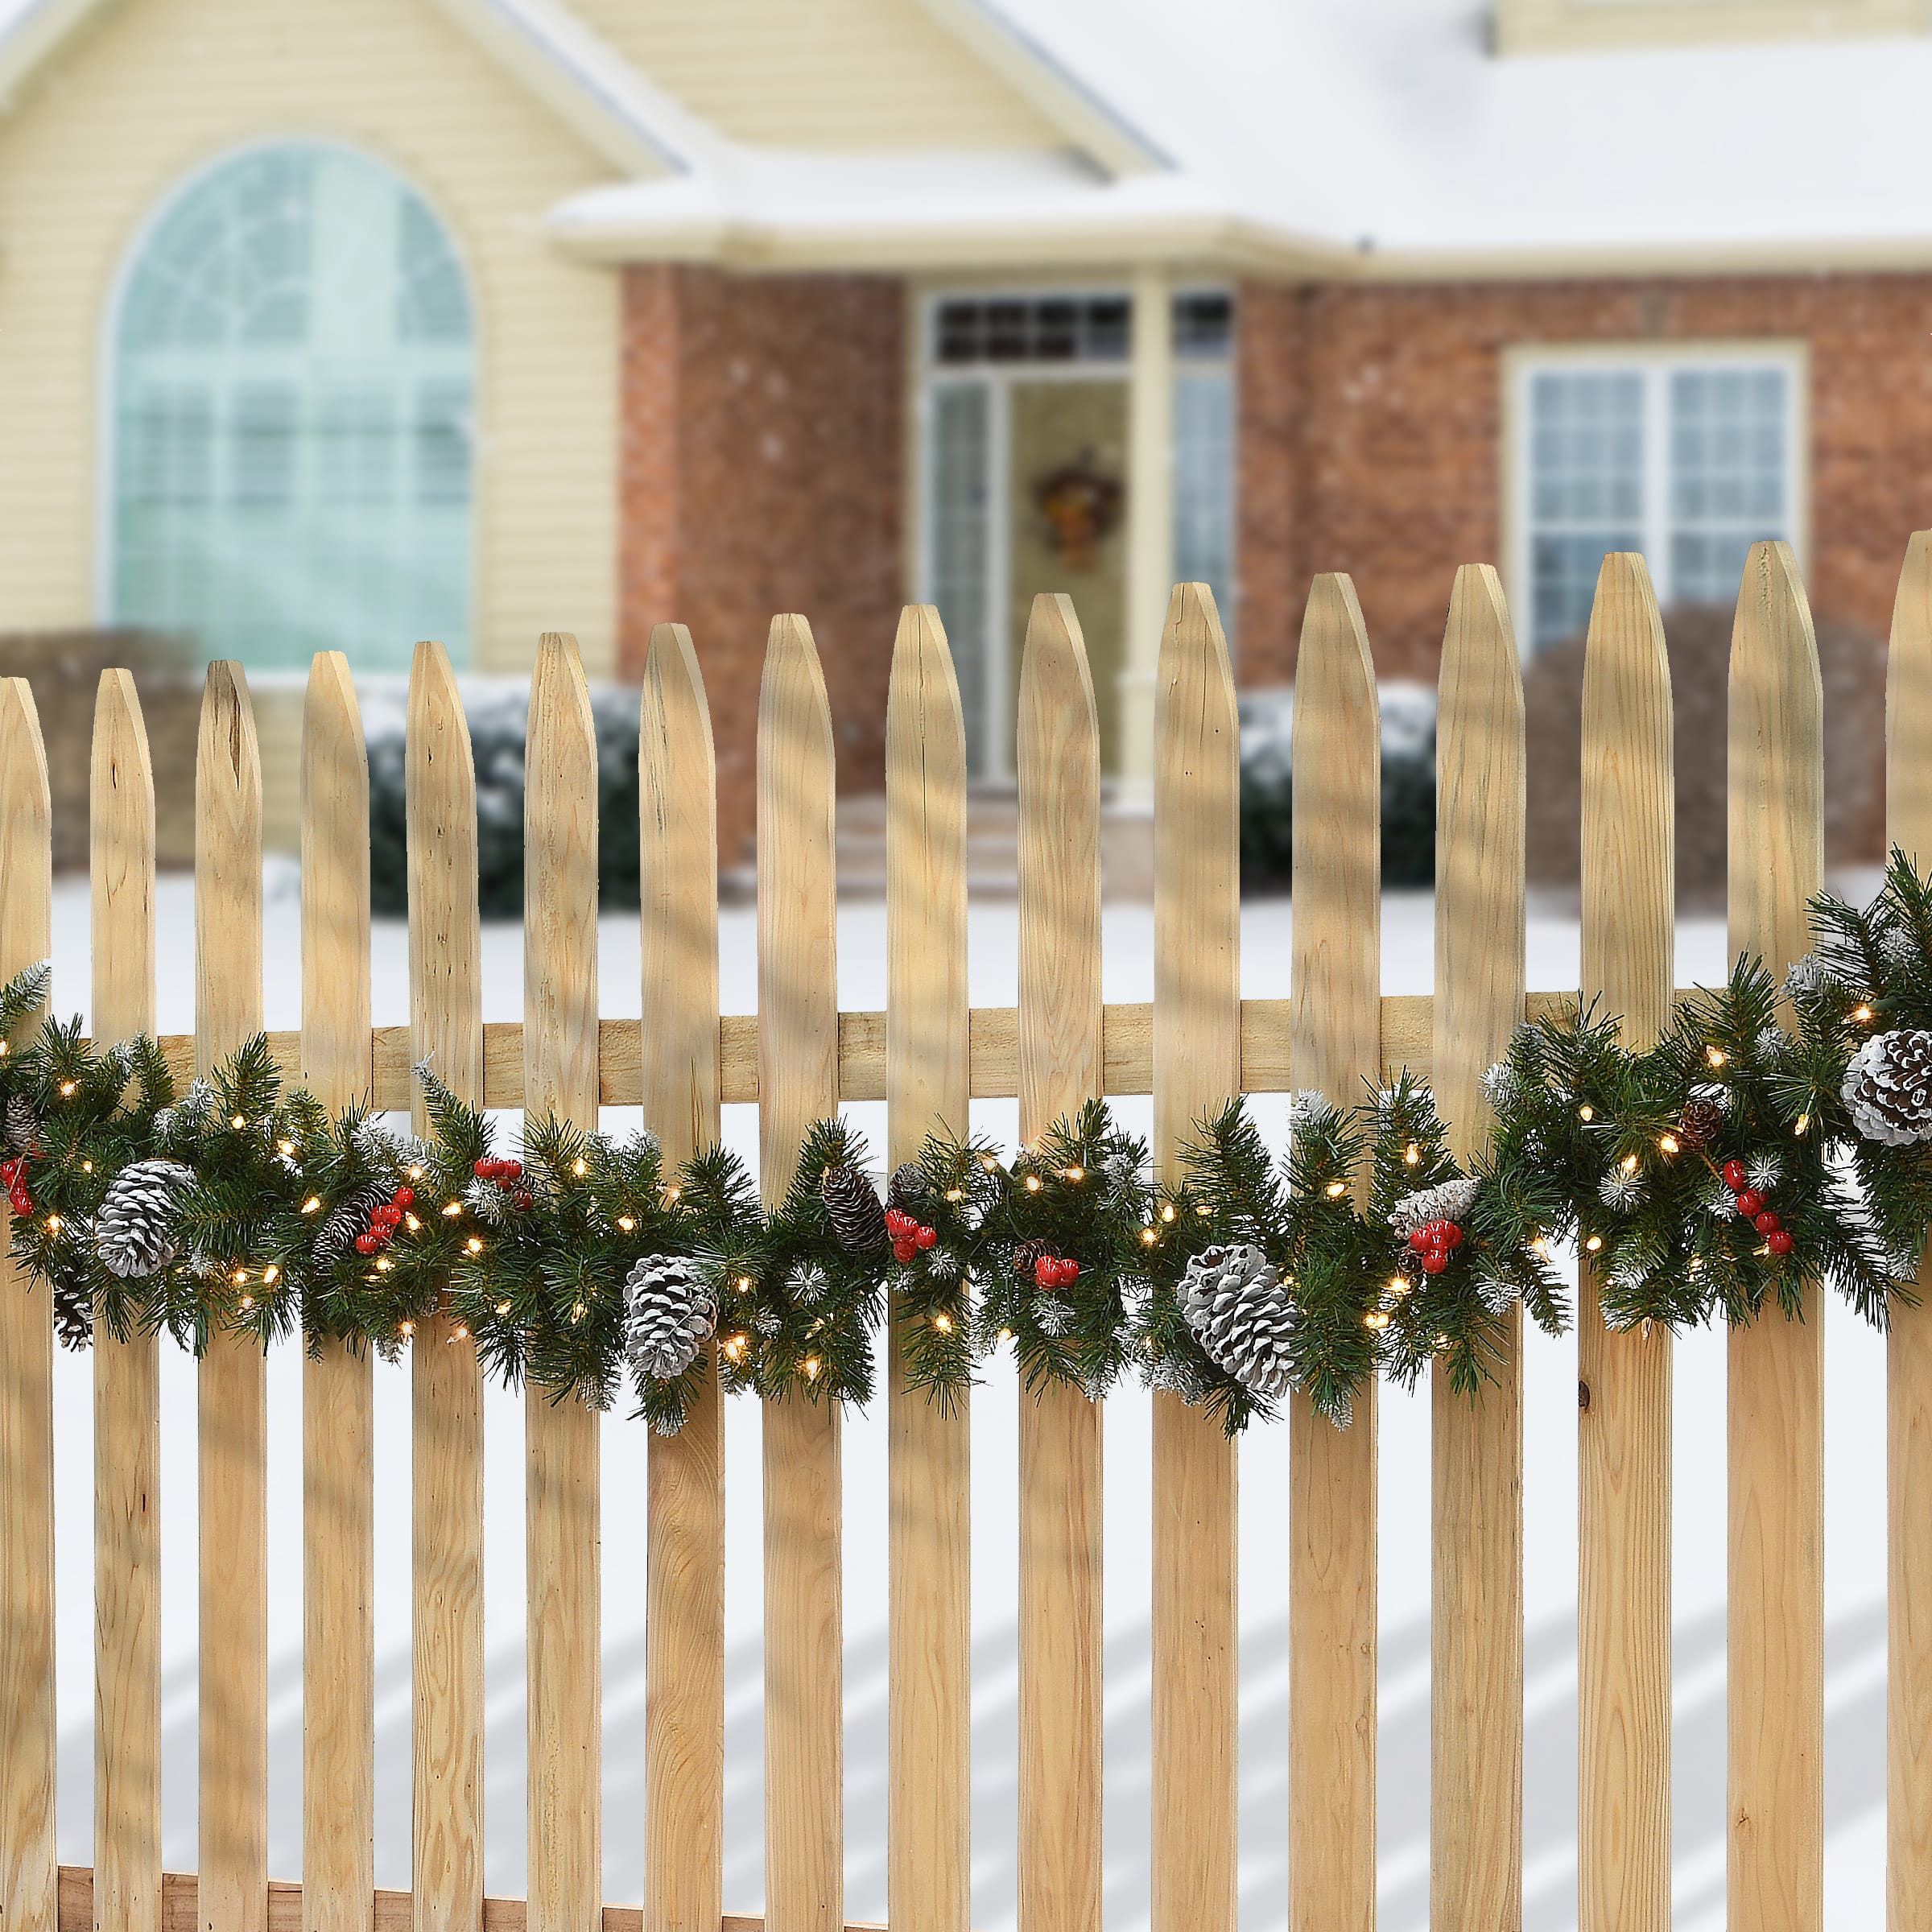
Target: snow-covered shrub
<point>1408,713</point>
<point>497,711</point>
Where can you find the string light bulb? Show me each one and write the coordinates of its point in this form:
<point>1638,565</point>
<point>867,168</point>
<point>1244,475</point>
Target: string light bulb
<point>943,1322</point>
<point>1594,1245</point>
<point>1336,1190</point>
<point>239,1122</point>
<point>625,1222</point>
<point>1715,1055</point>
<point>474,1245</point>
<point>452,1208</point>
<point>1586,1112</point>
<point>1411,1154</point>
<point>311,1204</point>
<point>1033,1183</point>
<point>406,1329</point>
<point>66,1090</point>
<point>1667,1143</point>
<point>1862,1014</point>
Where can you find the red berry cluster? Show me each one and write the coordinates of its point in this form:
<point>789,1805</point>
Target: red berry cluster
<point>1435,1241</point>
<point>505,1174</point>
<point>13,1176</point>
<point>1751,1205</point>
<point>1055,1271</point>
<point>908,1237</point>
<point>384,1220</point>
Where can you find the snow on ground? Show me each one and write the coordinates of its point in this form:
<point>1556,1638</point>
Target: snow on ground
<point>1855,1546</point>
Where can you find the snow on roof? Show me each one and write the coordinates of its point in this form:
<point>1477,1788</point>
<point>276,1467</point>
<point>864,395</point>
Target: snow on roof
<point>1326,137</point>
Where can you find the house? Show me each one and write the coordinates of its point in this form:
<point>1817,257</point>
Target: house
<point>338,323</point>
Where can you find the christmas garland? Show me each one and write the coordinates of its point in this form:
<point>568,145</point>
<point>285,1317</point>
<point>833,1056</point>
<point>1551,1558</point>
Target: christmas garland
<point>1776,1138</point>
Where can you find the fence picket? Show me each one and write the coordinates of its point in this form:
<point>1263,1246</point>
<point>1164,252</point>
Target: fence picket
<point>127,1374</point>
<point>1624,1380</point>
<point>338,1395</point>
<point>1338,1012</point>
<point>1909,1351</point>
<point>1475,1843</point>
<point>1777,1584</point>
<point>27,1724</point>
<point>232,1419</point>
<point>446,1416</point>
<point>1197,1066</point>
<point>561,1508</point>
<point>797,1084</point>
<point>1061,1612</point>
<point>928,1087</point>
<point>684,1721</point>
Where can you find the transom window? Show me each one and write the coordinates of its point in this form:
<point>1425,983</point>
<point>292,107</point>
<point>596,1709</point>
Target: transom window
<point>292,383</point>
<point>1690,456</point>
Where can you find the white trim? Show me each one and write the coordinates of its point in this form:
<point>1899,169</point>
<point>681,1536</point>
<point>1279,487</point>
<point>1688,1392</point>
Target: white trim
<point>1654,361</point>
<point>1091,123</point>
<point>106,398</point>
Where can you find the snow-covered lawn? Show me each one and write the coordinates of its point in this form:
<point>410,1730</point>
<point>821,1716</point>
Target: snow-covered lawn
<point>1855,1545</point>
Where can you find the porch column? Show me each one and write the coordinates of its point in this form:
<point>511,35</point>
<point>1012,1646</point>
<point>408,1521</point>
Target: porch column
<point>1149,523</point>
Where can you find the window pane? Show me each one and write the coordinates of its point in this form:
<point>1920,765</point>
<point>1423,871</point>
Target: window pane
<point>293,380</point>
<point>1585,491</point>
<point>958,540</point>
<point>1204,484</point>
<point>1729,475</point>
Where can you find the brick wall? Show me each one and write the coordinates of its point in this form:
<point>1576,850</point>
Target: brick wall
<point>1370,427</point>
<point>763,471</point>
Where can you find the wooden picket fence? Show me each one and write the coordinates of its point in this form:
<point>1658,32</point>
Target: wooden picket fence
<point>928,1055</point>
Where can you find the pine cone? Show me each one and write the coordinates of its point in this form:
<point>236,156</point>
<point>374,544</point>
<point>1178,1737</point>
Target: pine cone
<point>908,1186</point>
<point>348,1218</point>
<point>852,1205</point>
<point>22,1123</point>
<point>1700,1122</point>
<point>133,1231</point>
<point>1245,1320</point>
<point>1888,1087</point>
<point>669,1310</point>
<point>1446,1201</point>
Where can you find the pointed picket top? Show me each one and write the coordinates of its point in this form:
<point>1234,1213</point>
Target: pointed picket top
<point>1479,850</point>
<point>677,792</point>
<point>1776,761</point>
<point>928,1081</point>
<point>121,861</point>
<point>228,867</point>
<point>561,889</point>
<point>445,938</point>
<point>1629,812</point>
<point>1058,760</point>
<point>1337,764</point>
<point>26,822</point>
<point>797,913</point>
<point>335,1062</point>
<point>1909,706</point>
<point>1196,867</point>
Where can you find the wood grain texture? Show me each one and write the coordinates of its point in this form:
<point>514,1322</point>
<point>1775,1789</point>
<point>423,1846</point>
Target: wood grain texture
<point>929,1796</point>
<point>27,1720</point>
<point>561,1506</point>
<point>1624,1397</point>
<point>393,1910</point>
<point>684,1717</point>
<point>127,1384</point>
<point>1196,1068</point>
<point>1909,1349</point>
<point>1337,992</point>
<point>797,1083</point>
<point>1476,1837</point>
<point>446,1414</point>
<point>1777,1577</point>
<point>338,1399</point>
<point>1061,1610</point>
<point>232,1418</point>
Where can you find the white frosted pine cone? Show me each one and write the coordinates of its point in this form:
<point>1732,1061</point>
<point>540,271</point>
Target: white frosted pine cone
<point>1888,1087</point>
<point>1234,1299</point>
<point>669,1310</point>
<point>133,1230</point>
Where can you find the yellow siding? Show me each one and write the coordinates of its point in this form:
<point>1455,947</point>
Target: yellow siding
<point>156,89</point>
<point>1540,25</point>
<point>837,74</point>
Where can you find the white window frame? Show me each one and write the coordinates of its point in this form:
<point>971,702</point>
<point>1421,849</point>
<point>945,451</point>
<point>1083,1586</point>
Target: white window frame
<point>1655,362</point>
<point>927,374</point>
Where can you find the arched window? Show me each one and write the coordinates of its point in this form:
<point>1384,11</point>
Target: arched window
<point>292,373</point>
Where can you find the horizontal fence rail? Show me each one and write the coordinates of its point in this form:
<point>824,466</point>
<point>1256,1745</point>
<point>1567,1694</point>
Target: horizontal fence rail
<point>993,1035</point>
<point>1194,1045</point>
